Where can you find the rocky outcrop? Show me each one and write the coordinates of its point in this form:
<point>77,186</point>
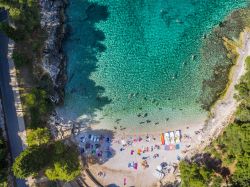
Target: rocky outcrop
<point>62,129</point>
<point>53,59</point>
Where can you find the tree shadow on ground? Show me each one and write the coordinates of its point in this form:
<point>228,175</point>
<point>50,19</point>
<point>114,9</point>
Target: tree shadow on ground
<point>212,163</point>
<point>96,145</point>
<point>84,43</point>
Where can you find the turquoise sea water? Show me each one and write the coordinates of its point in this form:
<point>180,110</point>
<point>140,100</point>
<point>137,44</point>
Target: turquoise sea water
<point>138,62</point>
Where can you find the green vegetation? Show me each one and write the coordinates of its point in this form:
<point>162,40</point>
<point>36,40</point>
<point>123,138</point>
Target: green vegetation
<point>43,156</point>
<point>24,14</point>
<point>194,175</point>
<point>65,165</point>
<point>38,137</point>
<point>25,30</point>
<point>3,161</point>
<point>58,161</point>
<point>30,161</point>
<point>231,149</point>
<point>20,59</point>
<point>38,106</point>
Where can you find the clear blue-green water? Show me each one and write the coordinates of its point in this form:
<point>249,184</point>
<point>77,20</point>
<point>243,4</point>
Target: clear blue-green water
<point>142,57</point>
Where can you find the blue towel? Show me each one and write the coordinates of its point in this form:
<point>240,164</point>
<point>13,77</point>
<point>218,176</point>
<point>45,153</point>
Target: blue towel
<point>177,146</point>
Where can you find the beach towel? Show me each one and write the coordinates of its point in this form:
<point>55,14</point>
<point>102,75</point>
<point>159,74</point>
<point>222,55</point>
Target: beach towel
<point>172,147</point>
<point>177,146</point>
<point>130,165</point>
<point>135,165</point>
<point>139,151</point>
<point>162,139</point>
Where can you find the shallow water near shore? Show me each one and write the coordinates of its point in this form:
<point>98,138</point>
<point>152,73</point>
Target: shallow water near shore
<point>137,63</point>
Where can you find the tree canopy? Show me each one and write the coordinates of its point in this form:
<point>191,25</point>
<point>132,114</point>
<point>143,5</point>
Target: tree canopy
<point>59,161</point>
<point>65,165</point>
<point>38,136</point>
<point>3,160</point>
<point>194,175</point>
<point>31,161</point>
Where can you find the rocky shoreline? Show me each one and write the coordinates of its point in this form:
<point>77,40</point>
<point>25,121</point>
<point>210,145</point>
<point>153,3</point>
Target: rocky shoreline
<point>53,59</point>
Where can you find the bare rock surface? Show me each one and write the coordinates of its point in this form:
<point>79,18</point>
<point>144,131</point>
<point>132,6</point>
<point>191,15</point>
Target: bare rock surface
<point>53,60</point>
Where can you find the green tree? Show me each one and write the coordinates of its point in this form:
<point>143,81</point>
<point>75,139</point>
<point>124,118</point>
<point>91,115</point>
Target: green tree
<point>59,161</point>
<point>241,177</point>
<point>20,59</point>
<point>193,175</point>
<point>3,160</point>
<point>65,163</point>
<point>31,161</point>
<point>38,105</point>
<point>11,32</point>
<point>62,171</point>
<point>216,181</point>
<point>38,137</point>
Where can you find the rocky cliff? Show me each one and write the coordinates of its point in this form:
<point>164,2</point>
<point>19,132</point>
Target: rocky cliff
<point>53,59</point>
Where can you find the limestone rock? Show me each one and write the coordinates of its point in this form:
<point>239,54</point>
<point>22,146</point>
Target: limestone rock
<point>53,60</point>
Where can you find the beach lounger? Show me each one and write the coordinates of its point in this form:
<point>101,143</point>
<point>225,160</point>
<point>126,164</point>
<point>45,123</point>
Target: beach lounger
<point>177,135</point>
<point>171,137</point>
<point>166,137</point>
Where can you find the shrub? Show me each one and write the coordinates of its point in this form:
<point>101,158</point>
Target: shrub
<point>20,59</point>
<point>38,137</point>
<point>3,160</point>
<point>31,161</point>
